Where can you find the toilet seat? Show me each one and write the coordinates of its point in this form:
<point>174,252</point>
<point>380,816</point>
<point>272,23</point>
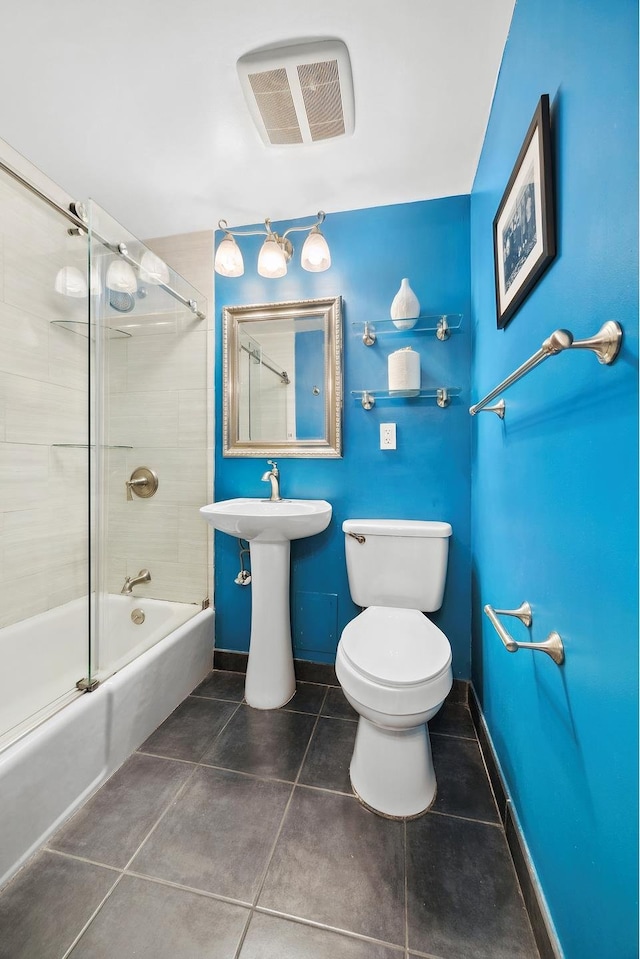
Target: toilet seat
<point>395,661</point>
<point>395,647</point>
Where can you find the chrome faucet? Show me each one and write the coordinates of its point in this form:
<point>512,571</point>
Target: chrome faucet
<point>144,576</point>
<point>273,476</point>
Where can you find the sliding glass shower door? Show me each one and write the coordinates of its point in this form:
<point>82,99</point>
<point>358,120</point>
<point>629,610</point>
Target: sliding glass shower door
<point>150,410</point>
<point>45,360</point>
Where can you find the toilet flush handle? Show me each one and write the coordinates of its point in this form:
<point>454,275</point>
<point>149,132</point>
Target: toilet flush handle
<point>361,539</point>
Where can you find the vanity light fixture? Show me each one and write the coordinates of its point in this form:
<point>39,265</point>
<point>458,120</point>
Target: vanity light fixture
<point>276,251</point>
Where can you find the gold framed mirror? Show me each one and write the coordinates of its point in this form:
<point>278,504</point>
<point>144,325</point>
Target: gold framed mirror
<point>282,379</point>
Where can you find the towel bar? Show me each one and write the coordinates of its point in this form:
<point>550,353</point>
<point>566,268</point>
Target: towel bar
<point>605,344</point>
<point>552,645</point>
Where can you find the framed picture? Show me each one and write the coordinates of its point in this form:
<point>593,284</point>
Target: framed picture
<point>524,234</point>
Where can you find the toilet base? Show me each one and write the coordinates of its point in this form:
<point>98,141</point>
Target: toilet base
<point>392,770</point>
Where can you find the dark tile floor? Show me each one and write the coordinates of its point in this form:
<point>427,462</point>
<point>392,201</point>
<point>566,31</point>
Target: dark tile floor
<point>233,834</point>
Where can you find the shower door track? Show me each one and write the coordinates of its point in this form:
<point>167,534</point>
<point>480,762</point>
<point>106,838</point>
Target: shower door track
<point>80,224</point>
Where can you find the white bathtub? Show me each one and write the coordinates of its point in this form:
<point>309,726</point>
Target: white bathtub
<point>50,771</point>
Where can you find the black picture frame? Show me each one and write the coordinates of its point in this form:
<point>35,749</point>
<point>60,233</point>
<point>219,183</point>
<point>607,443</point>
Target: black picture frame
<point>524,231</point>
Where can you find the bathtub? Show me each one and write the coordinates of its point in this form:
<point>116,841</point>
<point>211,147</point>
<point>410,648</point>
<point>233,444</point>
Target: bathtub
<point>51,770</point>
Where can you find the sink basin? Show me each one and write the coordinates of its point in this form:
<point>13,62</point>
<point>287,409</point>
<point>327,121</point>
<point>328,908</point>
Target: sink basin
<point>269,526</point>
<point>266,521</point>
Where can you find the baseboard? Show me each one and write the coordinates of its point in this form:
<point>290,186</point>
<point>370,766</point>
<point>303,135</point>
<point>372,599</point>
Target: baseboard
<point>541,924</point>
<point>306,672</point>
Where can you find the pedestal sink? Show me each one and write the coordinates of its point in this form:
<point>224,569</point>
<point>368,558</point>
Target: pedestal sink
<point>269,527</point>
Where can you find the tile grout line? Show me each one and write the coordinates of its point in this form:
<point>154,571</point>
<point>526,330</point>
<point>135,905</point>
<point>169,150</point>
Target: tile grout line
<point>278,834</point>
<point>406,892</point>
<point>123,871</point>
<point>452,815</point>
<point>325,927</point>
<point>93,915</point>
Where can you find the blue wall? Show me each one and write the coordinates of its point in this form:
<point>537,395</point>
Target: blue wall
<point>427,477</point>
<point>555,486</point>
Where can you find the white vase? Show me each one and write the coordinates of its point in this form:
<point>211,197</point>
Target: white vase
<point>405,308</point>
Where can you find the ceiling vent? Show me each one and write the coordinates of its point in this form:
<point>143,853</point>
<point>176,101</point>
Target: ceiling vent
<point>299,93</point>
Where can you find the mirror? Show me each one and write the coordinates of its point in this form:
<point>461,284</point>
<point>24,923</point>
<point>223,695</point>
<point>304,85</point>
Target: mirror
<point>282,379</point>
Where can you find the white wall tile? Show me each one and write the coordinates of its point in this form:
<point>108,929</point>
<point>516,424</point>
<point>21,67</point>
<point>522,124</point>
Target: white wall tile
<point>192,535</point>
<point>144,419</point>
<point>67,582</point>
<point>176,362</point>
<point>38,412</point>
<point>192,419</point>
<point>68,357</point>
<point>24,343</point>
<point>142,527</point>
<point>22,598</point>
<point>24,474</point>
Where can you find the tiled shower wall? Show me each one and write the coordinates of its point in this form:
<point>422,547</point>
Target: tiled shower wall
<point>159,402</point>
<point>43,402</point>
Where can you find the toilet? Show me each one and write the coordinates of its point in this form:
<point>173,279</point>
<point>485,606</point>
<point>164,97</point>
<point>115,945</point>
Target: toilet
<point>393,663</point>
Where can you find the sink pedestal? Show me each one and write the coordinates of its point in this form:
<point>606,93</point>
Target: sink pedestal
<point>270,679</point>
<point>269,525</point>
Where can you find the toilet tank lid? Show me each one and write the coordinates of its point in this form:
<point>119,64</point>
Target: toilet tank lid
<point>397,527</point>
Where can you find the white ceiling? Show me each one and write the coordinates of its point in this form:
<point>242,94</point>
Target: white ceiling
<point>137,104</point>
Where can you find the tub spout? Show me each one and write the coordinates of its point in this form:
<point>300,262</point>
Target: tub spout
<point>144,576</point>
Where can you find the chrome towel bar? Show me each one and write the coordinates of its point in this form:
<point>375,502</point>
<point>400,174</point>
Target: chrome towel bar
<point>552,645</point>
<point>605,344</point>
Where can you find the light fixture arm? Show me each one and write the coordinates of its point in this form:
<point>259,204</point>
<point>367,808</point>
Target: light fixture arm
<point>224,226</point>
<point>319,219</point>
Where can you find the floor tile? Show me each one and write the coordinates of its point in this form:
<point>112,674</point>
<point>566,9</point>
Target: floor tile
<point>218,835</point>
<point>270,937</point>
<point>336,705</point>
<point>459,692</point>
<point>263,742</point>
<point>220,684</point>
<point>308,698</point>
<point>338,864</point>
<point>151,921</point>
<point>45,907</point>
<point>190,729</point>
<point>463,787</point>
<point>453,719</point>
<point>327,762</point>
<point>463,896</point>
<point>111,826</point>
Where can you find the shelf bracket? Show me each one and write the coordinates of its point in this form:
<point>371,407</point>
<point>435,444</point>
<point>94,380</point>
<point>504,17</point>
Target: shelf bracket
<point>442,330</point>
<point>442,398</point>
<point>368,338</point>
<point>368,401</point>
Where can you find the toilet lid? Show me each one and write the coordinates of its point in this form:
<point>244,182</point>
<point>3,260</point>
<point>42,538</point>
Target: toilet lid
<point>395,647</point>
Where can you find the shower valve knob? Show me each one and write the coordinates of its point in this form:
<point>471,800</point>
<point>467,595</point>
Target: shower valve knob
<point>143,482</point>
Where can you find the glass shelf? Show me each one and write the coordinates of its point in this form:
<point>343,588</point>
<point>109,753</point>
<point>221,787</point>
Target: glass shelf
<point>82,328</point>
<point>442,324</point>
<point>442,396</point>
<point>87,446</point>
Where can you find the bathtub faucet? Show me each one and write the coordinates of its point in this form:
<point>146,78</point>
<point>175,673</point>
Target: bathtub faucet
<point>273,476</point>
<point>144,576</point>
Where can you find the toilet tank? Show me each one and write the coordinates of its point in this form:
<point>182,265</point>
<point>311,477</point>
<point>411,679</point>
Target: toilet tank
<point>398,563</point>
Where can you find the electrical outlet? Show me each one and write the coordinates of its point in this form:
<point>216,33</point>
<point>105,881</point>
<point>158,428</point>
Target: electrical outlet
<point>387,436</point>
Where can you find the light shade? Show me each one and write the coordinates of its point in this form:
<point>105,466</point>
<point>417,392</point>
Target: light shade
<point>315,255</point>
<point>120,277</point>
<point>272,262</point>
<point>70,282</point>
<point>228,261</point>
<point>153,270</point>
